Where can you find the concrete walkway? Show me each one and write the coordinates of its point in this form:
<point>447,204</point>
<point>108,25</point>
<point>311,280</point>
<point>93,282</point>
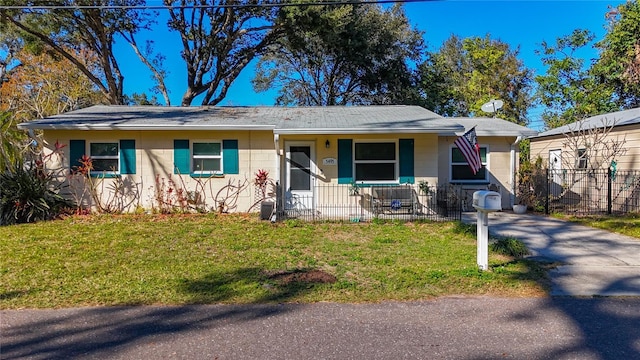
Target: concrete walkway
<point>591,262</point>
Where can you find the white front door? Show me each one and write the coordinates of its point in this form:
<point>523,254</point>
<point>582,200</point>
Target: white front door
<point>555,166</point>
<point>300,175</point>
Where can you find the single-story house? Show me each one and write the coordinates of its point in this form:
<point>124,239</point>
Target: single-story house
<point>565,147</point>
<point>212,155</point>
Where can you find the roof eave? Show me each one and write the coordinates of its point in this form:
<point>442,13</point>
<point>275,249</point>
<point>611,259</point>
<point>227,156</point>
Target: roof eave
<point>494,133</point>
<point>356,131</point>
<point>27,126</point>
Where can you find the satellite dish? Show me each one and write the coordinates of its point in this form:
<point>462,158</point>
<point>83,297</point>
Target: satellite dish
<point>492,106</point>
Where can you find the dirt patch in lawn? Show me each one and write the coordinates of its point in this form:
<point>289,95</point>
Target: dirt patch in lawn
<point>302,276</point>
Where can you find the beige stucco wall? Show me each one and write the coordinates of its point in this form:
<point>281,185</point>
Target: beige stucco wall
<point>498,164</point>
<point>425,153</point>
<point>630,160</point>
<point>154,166</point>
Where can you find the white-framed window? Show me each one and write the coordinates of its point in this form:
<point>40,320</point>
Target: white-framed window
<point>460,171</point>
<point>105,157</point>
<point>375,161</point>
<point>582,159</point>
<point>206,157</point>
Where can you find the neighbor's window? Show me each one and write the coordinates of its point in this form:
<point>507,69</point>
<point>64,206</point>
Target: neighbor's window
<point>207,157</point>
<point>581,159</point>
<point>105,157</point>
<point>460,170</point>
<point>376,161</point>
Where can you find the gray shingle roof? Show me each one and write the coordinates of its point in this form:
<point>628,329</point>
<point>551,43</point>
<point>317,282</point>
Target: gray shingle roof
<point>493,127</point>
<point>282,120</point>
<point>618,118</point>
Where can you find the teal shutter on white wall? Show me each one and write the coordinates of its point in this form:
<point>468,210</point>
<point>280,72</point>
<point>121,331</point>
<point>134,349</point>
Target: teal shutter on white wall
<point>127,156</point>
<point>345,161</point>
<point>406,161</point>
<point>181,157</point>
<point>230,157</point>
<point>76,151</point>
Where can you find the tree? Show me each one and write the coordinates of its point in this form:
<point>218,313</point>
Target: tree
<point>11,142</point>
<point>90,29</point>
<point>219,42</point>
<point>45,85</point>
<point>155,63</point>
<point>619,62</point>
<point>466,73</point>
<point>339,55</point>
<point>9,46</point>
<point>141,99</point>
<point>568,90</point>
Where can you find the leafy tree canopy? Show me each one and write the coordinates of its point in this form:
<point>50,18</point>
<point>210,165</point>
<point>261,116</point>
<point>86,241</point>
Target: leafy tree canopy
<point>141,99</point>
<point>84,29</point>
<point>569,90</point>
<point>619,62</point>
<point>339,55</point>
<point>46,84</point>
<point>466,73</point>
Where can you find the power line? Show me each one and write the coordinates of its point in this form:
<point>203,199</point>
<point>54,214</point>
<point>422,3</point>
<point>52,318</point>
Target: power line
<point>169,7</point>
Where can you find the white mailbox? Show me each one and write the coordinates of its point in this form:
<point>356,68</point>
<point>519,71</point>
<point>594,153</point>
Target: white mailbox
<point>485,200</point>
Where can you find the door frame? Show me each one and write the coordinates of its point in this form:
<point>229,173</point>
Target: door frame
<point>311,195</point>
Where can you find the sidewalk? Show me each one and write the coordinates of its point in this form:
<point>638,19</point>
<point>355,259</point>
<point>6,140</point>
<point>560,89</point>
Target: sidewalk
<point>592,262</point>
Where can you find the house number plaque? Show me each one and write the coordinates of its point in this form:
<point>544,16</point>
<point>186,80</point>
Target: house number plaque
<point>329,161</point>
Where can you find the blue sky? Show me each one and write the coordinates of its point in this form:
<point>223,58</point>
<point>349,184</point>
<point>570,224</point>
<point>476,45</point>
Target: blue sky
<point>523,24</point>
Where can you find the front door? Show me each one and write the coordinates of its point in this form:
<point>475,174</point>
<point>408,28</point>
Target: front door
<point>555,166</point>
<point>300,175</point>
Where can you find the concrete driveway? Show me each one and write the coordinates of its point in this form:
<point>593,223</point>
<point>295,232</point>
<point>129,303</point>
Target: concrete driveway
<point>591,262</point>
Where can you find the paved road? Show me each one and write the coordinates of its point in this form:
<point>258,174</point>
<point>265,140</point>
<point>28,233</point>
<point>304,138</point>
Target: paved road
<point>591,261</point>
<point>447,328</point>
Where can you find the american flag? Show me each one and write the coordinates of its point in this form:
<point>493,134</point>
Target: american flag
<point>468,145</point>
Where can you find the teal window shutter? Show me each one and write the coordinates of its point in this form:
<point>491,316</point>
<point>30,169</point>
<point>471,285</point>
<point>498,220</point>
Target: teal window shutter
<point>127,156</point>
<point>406,161</point>
<point>77,149</point>
<point>230,158</point>
<point>181,157</point>
<point>345,161</point>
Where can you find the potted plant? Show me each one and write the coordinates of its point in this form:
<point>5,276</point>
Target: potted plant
<point>528,178</point>
<point>354,190</point>
<point>519,207</point>
<point>424,187</point>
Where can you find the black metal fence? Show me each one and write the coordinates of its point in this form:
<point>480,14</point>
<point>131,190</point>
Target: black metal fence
<point>591,192</point>
<point>365,203</point>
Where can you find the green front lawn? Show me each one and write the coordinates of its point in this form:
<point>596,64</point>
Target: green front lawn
<point>179,259</point>
<point>622,224</point>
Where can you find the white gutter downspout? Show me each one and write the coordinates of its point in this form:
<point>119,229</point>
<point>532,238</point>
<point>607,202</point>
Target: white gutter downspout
<point>276,143</point>
<point>512,174</point>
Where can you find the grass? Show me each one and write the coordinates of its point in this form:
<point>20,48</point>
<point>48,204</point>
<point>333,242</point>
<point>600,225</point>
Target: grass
<point>628,224</point>
<point>185,259</point>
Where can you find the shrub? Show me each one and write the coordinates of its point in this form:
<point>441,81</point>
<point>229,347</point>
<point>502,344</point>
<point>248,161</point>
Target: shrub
<point>510,247</point>
<point>26,195</point>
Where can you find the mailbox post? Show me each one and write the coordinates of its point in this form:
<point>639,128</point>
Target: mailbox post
<point>485,202</point>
